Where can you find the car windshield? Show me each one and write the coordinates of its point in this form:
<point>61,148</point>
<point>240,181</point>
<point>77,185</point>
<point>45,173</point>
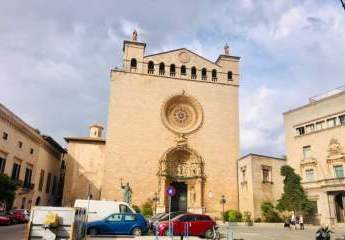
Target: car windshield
<point>172,215</point>
<point>158,216</point>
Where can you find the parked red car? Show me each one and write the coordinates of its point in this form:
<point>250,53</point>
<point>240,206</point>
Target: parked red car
<point>194,224</point>
<point>21,215</point>
<point>4,219</point>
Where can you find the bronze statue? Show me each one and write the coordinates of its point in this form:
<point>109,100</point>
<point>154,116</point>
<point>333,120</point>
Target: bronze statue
<point>127,193</point>
<point>226,49</point>
<point>134,36</point>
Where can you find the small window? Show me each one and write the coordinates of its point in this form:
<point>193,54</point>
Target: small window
<point>150,67</point>
<point>331,122</point>
<point>214,75</point>
<point>2,164</point>
<point>193,73</point>
<point>306,152</point>
<point>310,128</point>
<point>40,185</point>
<point>31,151</point>
<point>266,174</point>
<point>54,188</point>
<point>49,178</point>
<point>183,70</point>
<point>229,76</point>
<point>133,63</point>
<point>161,69</point>
<point>114,218</point>
<point>309,175</point>
<point>15,172</point>
<point>342,119</point>
<point>172,70</point>
<point>20,144</point>
<point>27,178</point>
<point>243,170</point>
<point>319,125</point>
<point>300,131</point>
<point>204,74</point>
<point>338,171</point>
<point>5,135</point>
<point>130,217</point>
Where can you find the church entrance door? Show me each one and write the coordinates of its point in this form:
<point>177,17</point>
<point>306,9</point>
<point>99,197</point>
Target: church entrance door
<point>340,207</point>
<point>179,201</point>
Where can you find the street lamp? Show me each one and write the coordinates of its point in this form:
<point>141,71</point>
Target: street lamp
<point>155,200</point>
<point>223,201</point>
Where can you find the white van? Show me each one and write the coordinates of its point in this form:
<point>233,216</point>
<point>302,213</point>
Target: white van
<point>100,209</point>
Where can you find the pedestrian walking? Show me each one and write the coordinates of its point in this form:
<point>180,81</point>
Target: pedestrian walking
<point>293,220</point>
<point>287,224</point>
<point>301,222</point>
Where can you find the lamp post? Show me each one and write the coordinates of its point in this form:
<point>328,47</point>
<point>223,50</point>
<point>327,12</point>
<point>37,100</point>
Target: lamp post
<point>223,201</point>
<point>155,200</point>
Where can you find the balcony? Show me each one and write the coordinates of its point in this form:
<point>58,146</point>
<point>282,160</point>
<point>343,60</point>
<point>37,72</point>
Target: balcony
<point>310,161</point>
<point>325,183</point>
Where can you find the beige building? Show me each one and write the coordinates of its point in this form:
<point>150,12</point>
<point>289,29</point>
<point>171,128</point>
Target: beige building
<point>85,166</point>
<point>259,181</point>
<point>31,159</point>
<point>315,141</point>
<point>173,120</point>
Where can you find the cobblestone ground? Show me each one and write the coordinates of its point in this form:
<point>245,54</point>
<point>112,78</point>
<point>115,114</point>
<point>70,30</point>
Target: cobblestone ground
<point>275,233</point>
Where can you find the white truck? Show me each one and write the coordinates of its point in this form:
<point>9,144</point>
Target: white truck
<point>54,223</point>
<point>100,209</point>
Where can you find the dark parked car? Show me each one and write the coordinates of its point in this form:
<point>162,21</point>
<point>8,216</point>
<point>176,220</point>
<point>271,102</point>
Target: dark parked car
<point>195,224</point>
<point>4,219</point>
<point>119,224</point>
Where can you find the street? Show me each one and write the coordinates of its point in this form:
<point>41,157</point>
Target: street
<point>12,232</point>
<point>16,232</point>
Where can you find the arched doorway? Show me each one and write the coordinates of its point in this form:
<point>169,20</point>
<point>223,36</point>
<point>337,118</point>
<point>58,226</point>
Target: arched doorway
<point>339,207</point>
<point>182,168</point>
<point>38,201</point>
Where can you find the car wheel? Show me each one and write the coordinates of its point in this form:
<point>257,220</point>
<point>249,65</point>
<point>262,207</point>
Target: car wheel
<point>209,234</point>
<point>93,231</point>
<point>137,231</point>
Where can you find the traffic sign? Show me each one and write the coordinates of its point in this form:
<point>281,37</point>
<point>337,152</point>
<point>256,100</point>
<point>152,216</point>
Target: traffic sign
<point>171,191</point>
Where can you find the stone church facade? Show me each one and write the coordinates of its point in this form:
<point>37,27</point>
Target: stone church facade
<point>173,120</point>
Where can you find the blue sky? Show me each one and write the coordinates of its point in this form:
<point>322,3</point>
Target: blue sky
<point>55,56</point>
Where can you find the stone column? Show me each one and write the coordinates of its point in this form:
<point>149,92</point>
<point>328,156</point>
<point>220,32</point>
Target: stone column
<point>161,194</point>
<point>332,211</point>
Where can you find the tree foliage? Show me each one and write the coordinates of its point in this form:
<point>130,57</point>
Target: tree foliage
<point>293,197</point>
<point>269,213</point>
<point>147,208</point>
<point>8,189</point>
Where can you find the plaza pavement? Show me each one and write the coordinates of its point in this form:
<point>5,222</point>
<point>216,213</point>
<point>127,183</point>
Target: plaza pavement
<point>258,232</point>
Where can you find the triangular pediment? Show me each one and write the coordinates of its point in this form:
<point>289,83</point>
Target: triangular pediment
<point>182,56</point>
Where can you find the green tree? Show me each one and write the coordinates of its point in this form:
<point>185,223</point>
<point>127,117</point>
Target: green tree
<point>293,197</point>
<point>147,208</point>
<point>8,189</point>
<point>269,213</point>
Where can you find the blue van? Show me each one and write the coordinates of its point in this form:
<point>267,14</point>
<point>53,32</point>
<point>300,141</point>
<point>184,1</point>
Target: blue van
<point>119,224</point>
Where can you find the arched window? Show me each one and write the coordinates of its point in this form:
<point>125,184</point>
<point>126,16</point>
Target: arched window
<point>203,74</point>
<point>214,75</point>
<point>133,63</point>
<point>150,67</point>
<point>193,73</point>
<point>161,68</point>
<point>183,70</point>
<point>229,76</point>
<point>172,70</point>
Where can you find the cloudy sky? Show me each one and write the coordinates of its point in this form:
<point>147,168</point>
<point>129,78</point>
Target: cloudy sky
<point>55,56</point>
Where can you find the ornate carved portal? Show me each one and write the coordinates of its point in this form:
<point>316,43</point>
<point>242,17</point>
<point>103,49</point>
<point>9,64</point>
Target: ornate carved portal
<point>182,165</point>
